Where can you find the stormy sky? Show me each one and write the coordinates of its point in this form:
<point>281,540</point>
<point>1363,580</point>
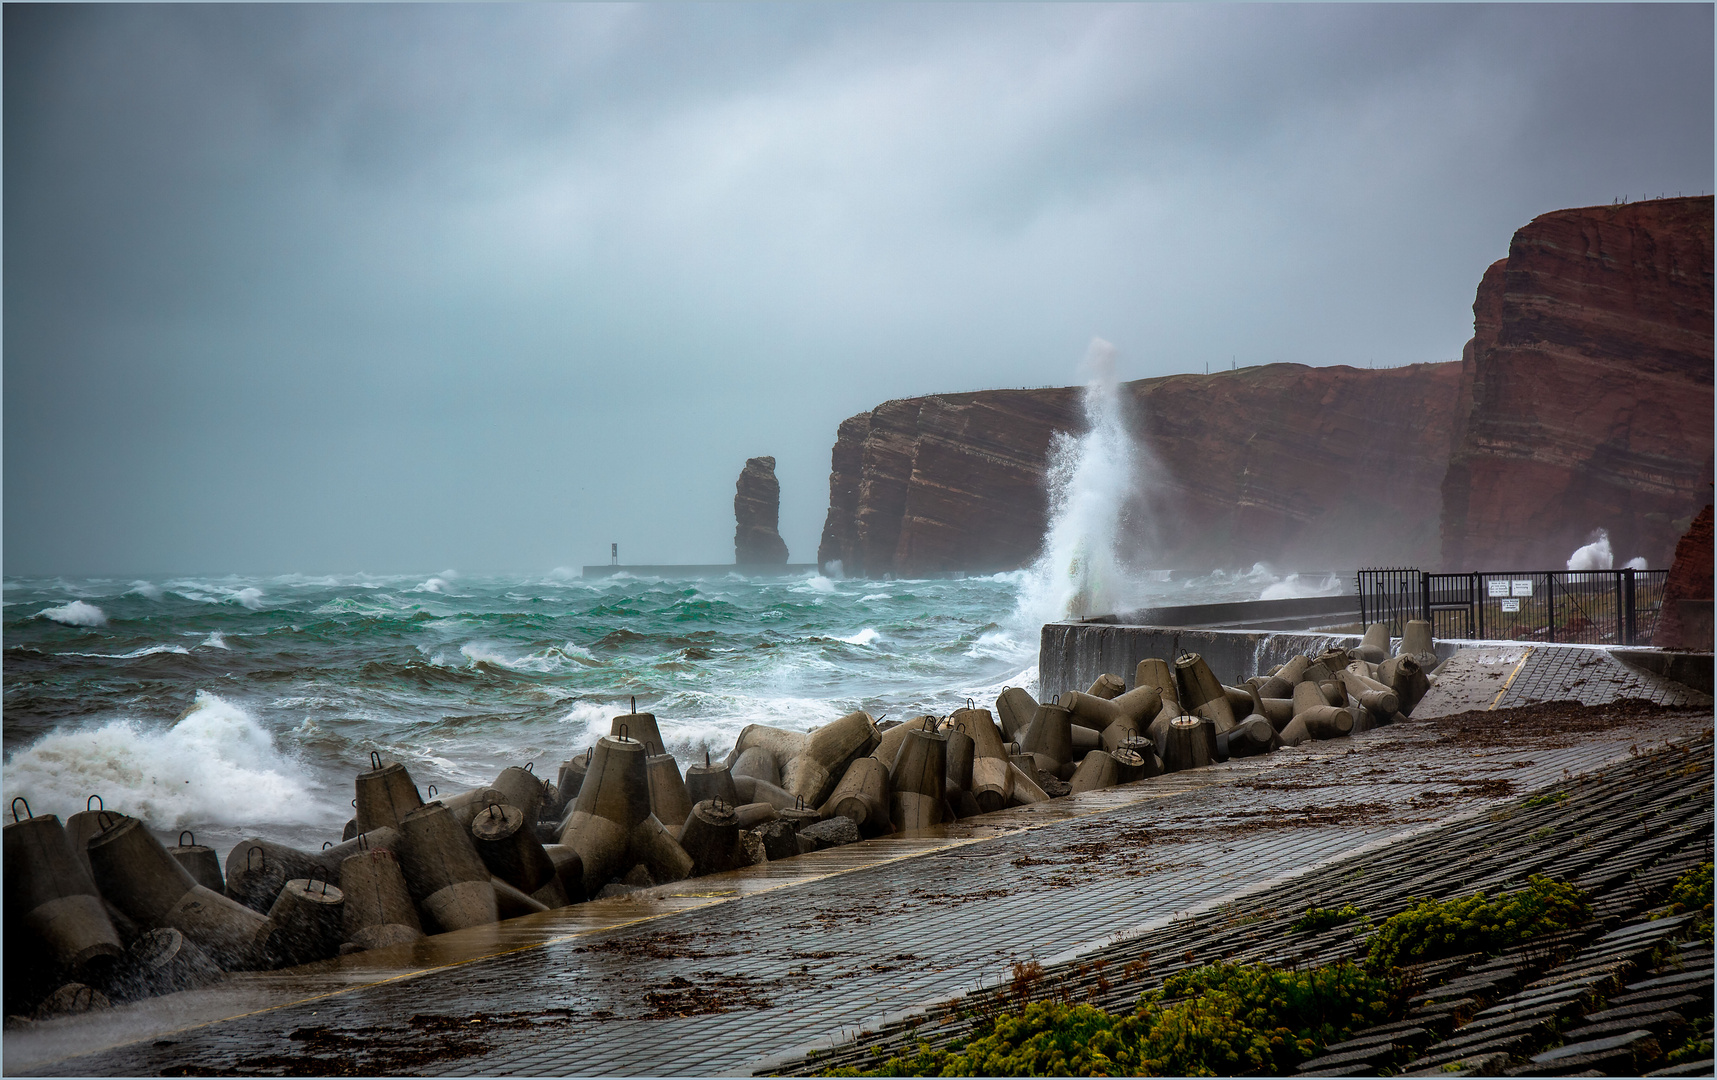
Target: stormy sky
<point>400,288</point>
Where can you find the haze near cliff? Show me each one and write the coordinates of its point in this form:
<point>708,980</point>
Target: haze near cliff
<point>406,287</point>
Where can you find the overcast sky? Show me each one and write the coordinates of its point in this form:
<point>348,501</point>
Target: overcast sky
<point>396,288</point>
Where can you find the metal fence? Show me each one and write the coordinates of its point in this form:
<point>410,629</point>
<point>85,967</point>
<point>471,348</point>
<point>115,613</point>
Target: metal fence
<point>1593,607</point>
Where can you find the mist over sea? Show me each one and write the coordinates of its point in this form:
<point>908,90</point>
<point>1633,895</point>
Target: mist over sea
<point>239,706</point>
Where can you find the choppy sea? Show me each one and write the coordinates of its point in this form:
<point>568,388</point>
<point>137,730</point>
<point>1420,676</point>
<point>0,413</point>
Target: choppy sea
<point>244,706</point>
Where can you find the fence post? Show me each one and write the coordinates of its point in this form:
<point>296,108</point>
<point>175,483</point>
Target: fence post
<point>1631,625</point>
<point>1424,598</point>
<point>1359,587</point>
<point>1479,601</point>
<point>1550,605</point>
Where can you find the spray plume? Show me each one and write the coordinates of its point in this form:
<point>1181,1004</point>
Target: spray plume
<point>1091,478</point>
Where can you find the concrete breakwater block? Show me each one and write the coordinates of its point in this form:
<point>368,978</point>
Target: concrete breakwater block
<point>992,782</point>
<point>917,777</point>
<point>510,850</point>
<point>444,873</point>
<point>62,910</point>
<point>1099,769</point>
<point>162,962</point>
<point>258,869</point>
<point>309,921</point>
<point>1016,708</point>
<point>521,787</point>
<point>711,837</point>
<point>385,794</point>
<point>378,909</point>
<point>134,870</point>
<point>711,781</point>
<point>813,773</point>
<point>862,796</point>
<point>202,862</point>
<point>669,800</point>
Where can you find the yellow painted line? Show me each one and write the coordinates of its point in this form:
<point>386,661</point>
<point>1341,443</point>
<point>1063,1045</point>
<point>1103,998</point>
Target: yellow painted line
<point>1496,700</point>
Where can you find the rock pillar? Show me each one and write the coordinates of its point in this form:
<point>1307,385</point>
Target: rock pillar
<point>757,511</point>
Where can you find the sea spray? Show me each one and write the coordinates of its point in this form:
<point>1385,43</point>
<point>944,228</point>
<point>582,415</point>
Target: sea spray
<point>1092,479</point>
<point>215,766</point>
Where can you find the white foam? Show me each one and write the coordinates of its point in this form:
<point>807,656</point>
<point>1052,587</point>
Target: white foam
<point>816,583</point>
<point>1293,587</point>
<point>215,640</point>
<point>146,589</point>
<point>835,570</point>
<point>863,637</point>
<point>875,596</point>
<point>149,650</point>
<point>1595,555</point>
<point>216,766</point>
<point>76,613</point>
<point>1000,645</point>
<point>433,585</point>
<point>1636,563</point>
<point>1091,479</point>
<point>250,597</point>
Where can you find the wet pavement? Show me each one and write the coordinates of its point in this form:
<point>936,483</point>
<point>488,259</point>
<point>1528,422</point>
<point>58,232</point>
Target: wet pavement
<point>723,974</point>
<point>1492,675</point>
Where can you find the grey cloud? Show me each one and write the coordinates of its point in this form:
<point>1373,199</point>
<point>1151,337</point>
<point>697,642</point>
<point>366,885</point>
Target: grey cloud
<point>305,287</point>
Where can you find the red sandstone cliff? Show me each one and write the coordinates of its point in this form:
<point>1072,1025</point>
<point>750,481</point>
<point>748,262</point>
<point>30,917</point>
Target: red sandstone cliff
<point>1322,467</point>
<point>1588,390</point>
<point>1583,401</point>
<point>1685,621</point>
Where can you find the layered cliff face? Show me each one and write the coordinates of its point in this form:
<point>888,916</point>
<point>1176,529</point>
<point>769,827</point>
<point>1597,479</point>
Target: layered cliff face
<point>1583,401</point>
<point>1589,378</point>
<point>1320,467</point>
<point>757,515</point>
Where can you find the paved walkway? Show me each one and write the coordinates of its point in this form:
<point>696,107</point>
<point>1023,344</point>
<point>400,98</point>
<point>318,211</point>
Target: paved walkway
<point>1505,675</point>
<point>724,973</point>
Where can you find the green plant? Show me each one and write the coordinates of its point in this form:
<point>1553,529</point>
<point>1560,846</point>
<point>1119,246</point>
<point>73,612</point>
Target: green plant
<point>1692,892</point>
<point>1322,918</point>
<point>1434,929</point>
<point>1549,798</point>
<point>1220,1019</point>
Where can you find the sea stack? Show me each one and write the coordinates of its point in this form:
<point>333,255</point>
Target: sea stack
<point>757,511</point>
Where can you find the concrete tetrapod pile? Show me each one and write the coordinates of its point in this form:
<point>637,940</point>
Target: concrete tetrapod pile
<point>101,910</point>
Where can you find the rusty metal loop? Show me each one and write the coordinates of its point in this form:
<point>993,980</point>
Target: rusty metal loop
<point>363,841</point>
<point>634,704</point>
<point>326,844</point>
<point>190,834</point>
<point>256,848</point>
<point>94,799</point>
<point>354,803</point>
<point>625,733</point>
<point>376,760</point>
<point>530,767</point>
<point>433,791</point>
<point>102,817</point>
<point>27,814</point>
<point>491,808</point>
<point>800,805</point>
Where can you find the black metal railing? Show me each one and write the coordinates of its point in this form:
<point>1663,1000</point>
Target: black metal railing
<point>1592,607</point>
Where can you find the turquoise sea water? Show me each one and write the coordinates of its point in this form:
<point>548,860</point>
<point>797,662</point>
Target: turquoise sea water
<point>238,706</point>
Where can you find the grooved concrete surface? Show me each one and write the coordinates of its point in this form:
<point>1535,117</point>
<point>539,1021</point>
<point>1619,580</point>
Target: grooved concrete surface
<point>1506,675</point>
<point>722,987</point>
<point>1591,677</point>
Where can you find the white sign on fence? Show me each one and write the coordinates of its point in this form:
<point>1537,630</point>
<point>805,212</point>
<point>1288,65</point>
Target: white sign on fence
<point>1511,605</point>
<point>1521,587</point>
<point>1497,588</point>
